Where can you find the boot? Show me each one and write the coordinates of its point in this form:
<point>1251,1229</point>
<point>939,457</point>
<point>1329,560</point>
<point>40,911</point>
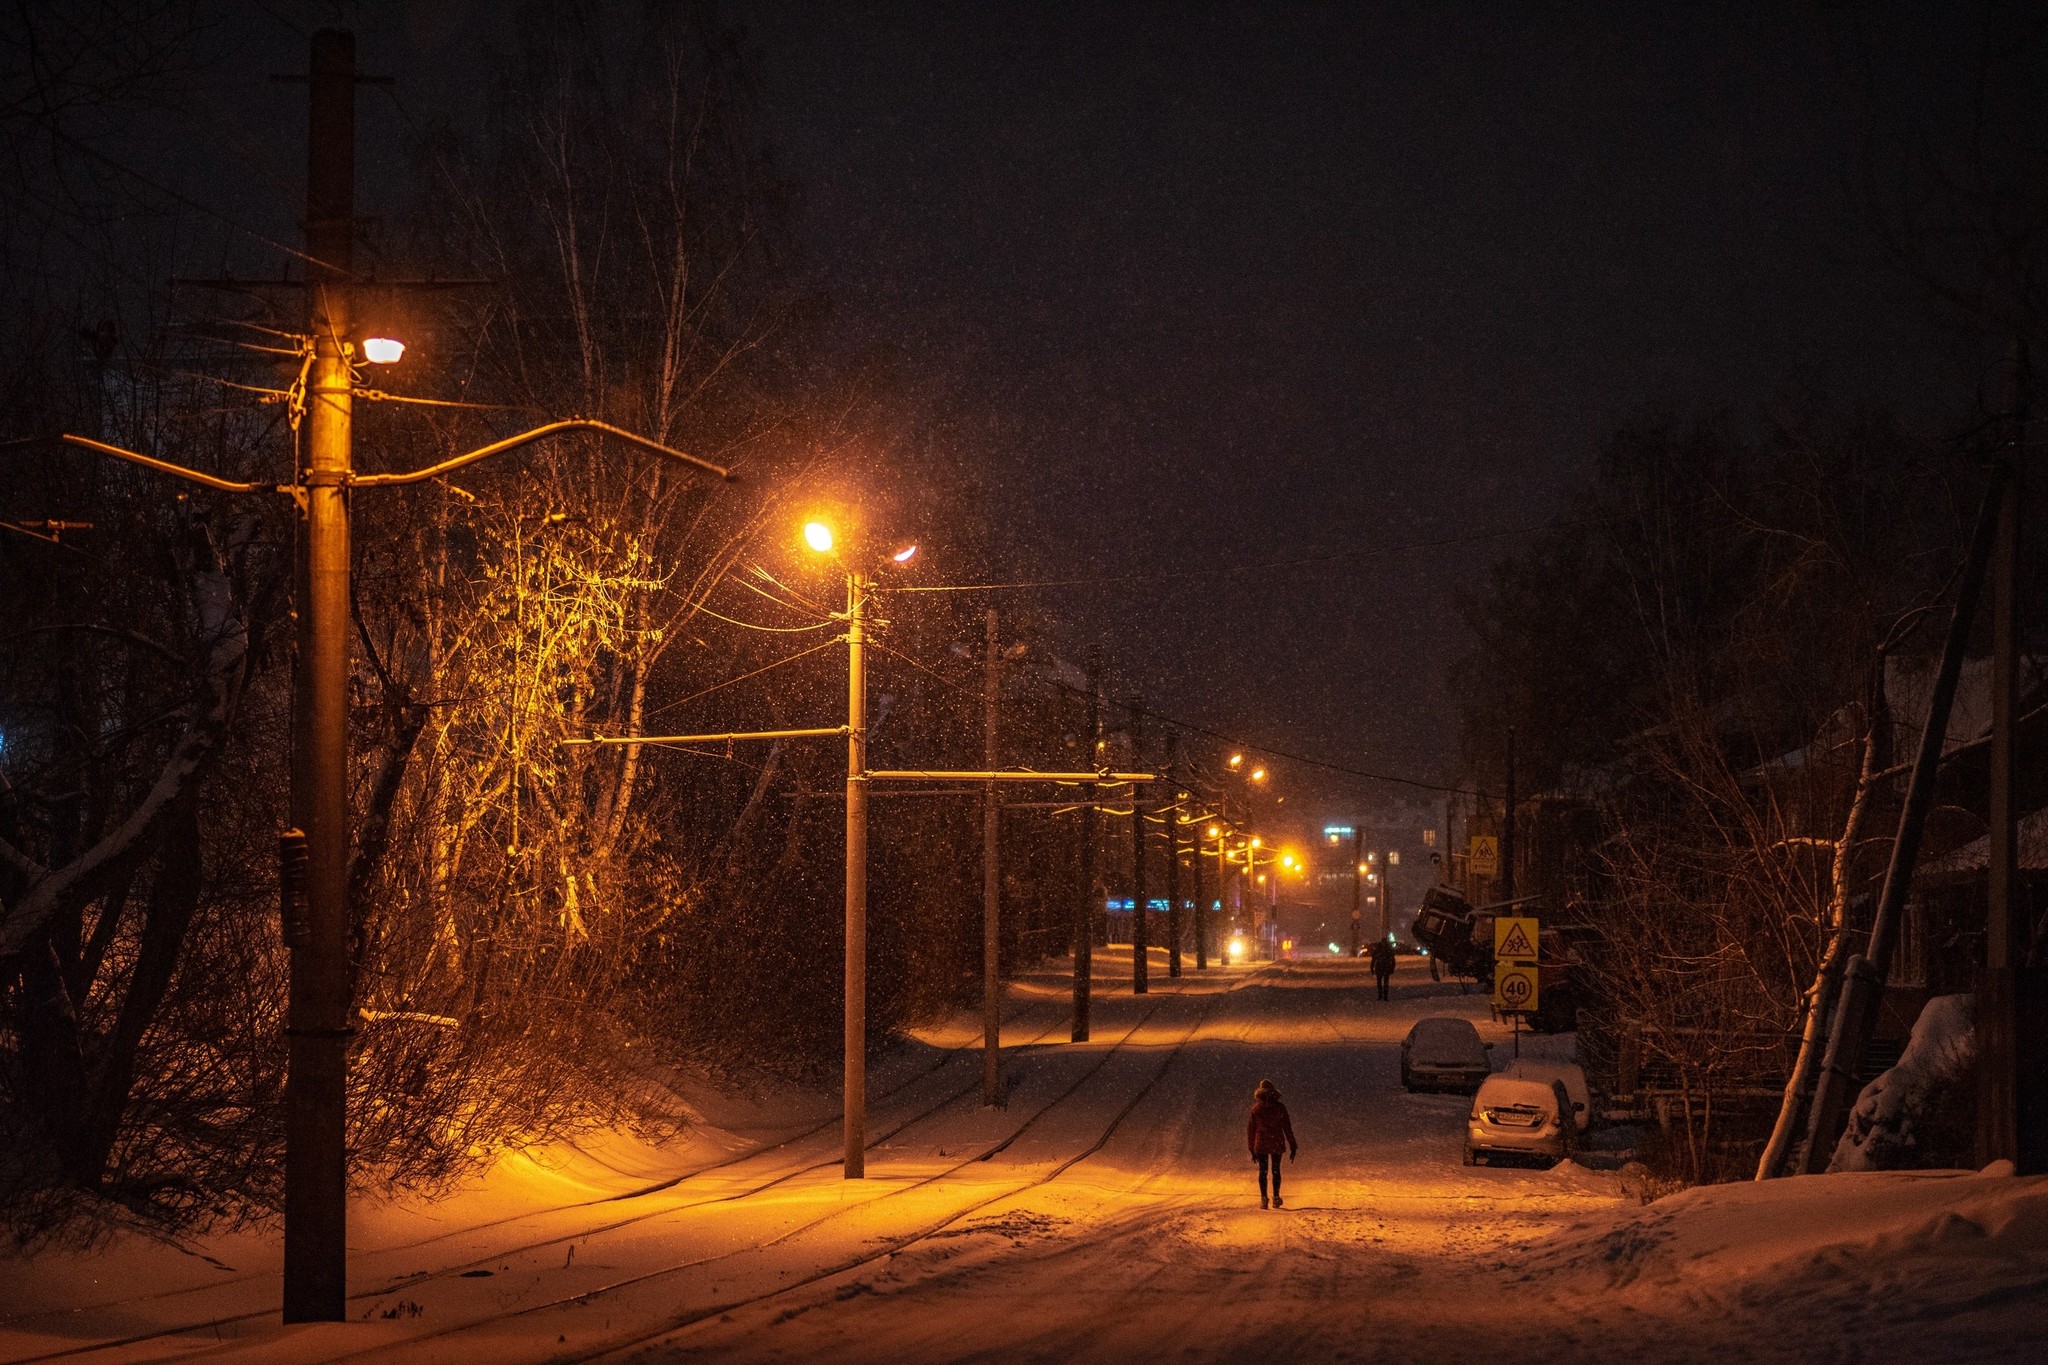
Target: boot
<point>1262,1201</point>
<point>1276,1201</point>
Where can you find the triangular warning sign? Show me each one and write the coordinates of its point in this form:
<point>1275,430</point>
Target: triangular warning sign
<point>1516,944</point>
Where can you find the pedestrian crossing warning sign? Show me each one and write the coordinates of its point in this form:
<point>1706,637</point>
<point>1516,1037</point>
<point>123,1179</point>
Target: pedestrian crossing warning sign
<point>1484,855</point>
<point>1514,939</point>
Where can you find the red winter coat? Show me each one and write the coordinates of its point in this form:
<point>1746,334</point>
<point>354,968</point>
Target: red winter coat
<point>1269,1132</point>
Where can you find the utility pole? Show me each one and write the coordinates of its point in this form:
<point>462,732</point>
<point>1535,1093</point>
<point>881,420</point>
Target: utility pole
<point>1357,883</point>
<point>855,1077</point>
<point>1084,904</point>
<point>314,854</point>
<point>991,885</point>
<point>2011,1124</point>
<point>1507,829</point>
<point>1386,895</point>
<point>1141,929</point>
<point>1173,815</point>
<point>317,1027</point>
<point>1201,903</point>
<point>1863,980</point>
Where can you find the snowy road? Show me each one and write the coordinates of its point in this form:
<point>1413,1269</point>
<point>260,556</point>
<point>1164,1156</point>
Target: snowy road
<point>1108,1213</point>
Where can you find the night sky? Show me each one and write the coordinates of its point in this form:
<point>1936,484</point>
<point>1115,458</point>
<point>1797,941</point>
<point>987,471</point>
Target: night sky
<point>1204,287</point>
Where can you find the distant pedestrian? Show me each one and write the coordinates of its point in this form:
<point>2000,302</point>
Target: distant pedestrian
<point>1383,966</point>
<point>1268,1133</point>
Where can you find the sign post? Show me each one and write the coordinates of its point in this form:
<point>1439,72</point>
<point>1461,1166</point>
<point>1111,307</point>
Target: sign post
<point>1516,984</point>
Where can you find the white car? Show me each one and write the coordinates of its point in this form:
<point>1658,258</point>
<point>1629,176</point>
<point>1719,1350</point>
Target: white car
<point>1570,1074</point>
<point>1518,1116</point>
<point>1443,1052</point>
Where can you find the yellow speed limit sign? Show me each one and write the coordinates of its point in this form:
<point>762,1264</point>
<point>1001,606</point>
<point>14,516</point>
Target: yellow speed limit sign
<point>1514,987</point>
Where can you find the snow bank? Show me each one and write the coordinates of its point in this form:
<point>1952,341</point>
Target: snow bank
<point>1909,1247</point>
<point>1885,1126</point>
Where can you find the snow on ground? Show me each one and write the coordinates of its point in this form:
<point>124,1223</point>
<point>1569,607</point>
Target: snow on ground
<point>1109,1212</point>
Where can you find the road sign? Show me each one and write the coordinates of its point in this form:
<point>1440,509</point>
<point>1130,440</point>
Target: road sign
<point>1485,856</point>
<point>1514,988</point>
<point>1514,939</point>
<point>1515,983</point>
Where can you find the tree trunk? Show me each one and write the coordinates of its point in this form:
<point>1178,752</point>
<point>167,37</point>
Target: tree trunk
<point>1827,980</point>
<point>173,899</point>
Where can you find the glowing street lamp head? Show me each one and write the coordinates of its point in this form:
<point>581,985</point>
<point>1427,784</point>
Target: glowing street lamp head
<point>1215,831</point>
<point>1258,774</point>
<point>1237,760</point>
<point>818,536</point>
<point>383,351</point>
<point>1257,842</point>
<point>903,555</point>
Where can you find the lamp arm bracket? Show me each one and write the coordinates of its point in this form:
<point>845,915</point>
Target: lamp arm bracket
<point>528,437</point>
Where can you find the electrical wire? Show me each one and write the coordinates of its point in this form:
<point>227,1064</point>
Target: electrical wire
<point>800,654</point>
<point>772,630</point>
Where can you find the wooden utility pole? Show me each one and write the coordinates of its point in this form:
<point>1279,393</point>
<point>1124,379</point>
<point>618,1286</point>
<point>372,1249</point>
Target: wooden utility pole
<point>1173,815</point>
<point>1084,904</point>
<point>317,1028</point>
<point>1141,929</point>
<point>991,884</point>
<point>2011,1122</point>
<point>1863,982</point>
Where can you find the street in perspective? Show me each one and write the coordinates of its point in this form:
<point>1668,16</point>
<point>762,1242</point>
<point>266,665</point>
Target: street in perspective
<point>718,681</point>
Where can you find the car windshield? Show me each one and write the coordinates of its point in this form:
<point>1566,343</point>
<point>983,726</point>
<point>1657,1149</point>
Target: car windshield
<point>1452,1042</point>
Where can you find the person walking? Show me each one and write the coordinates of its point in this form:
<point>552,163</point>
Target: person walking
<point>1383,966</point>
<point>1269,1132</point>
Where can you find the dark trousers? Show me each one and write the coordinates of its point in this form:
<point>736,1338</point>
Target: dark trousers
<point>1268,1160</point>
<point>1383,980</point>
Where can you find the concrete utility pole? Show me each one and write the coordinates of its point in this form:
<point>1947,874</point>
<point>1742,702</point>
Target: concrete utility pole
<point>317,1027</point>
<point>1507,829</point>
<point>2012,1100</point>
<point>1141,929</point>
<point>1173,817</point>
<point>1084,904</point>
<point>855,1073</point>
<point>1357,884</point>
<point>991,885</point>
<point>1201,900</point>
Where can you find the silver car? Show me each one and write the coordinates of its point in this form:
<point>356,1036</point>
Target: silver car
<point>1569,1074</point>
<point>1443,1052</point>
<point>1519,1116</point>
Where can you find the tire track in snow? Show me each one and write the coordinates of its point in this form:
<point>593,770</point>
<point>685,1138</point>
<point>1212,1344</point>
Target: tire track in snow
<point>456,1269</point>
<point>889,1246</point>
<point>894,1246</point>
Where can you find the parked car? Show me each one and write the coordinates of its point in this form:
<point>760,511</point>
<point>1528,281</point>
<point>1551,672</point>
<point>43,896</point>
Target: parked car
<point>1443,1052</point>
<point>1519,1116</point>
<point>1570,1075</point>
